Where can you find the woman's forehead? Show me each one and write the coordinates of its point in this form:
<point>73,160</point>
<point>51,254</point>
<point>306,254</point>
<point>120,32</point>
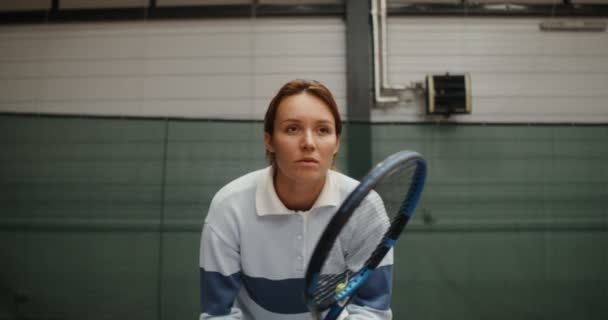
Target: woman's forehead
<point>302,107</point>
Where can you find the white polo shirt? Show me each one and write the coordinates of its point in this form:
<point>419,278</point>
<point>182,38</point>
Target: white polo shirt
<point>254,252</point>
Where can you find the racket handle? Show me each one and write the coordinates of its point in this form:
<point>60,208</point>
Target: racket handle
<point>334,312</point>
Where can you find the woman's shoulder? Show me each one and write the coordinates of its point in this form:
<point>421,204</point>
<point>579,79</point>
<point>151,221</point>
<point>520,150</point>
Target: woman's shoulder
<point>233,201</point>
<point>238,187</point>
<point>342,181</point>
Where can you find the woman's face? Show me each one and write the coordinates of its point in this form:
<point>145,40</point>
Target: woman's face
<point>304,141</point>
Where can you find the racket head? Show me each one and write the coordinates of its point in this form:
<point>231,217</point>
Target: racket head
<point>363,230</point>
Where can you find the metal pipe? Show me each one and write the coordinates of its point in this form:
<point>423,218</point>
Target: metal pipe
<point>384,54</point>
<point>379,57</point>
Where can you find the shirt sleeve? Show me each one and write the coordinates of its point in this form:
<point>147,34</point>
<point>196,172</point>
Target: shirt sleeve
<point>372,300</point>
<point>220,276</point>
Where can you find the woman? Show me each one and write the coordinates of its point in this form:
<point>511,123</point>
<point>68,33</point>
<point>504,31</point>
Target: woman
<point>262,227</point>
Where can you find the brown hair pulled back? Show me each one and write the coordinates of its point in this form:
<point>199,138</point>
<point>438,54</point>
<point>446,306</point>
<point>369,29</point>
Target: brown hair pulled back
<point>293,88</point>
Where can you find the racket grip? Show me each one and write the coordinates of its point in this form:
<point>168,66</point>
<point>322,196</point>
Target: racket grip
<point>334,312</point>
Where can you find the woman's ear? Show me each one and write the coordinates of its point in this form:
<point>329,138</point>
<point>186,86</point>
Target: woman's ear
<point>268,142</point>
<point>337,146</point>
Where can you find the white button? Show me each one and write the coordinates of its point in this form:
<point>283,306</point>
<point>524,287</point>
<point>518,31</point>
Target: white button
<point>299,237</point>
<point>299,257</point>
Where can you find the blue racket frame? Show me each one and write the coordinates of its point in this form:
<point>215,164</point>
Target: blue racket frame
<point>350,204</point>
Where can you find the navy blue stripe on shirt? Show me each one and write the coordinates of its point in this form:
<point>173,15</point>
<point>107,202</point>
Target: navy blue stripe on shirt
<point>218,292</point>
<point>278,296</point>
<point>376,291</point>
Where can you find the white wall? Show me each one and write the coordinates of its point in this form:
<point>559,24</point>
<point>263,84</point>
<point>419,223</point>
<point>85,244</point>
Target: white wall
<point>518,73</point>
<point>230,68</point>
<point>227,69</point>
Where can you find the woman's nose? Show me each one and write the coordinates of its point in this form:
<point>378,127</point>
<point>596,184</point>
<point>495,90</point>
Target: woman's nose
<point>308,140</point>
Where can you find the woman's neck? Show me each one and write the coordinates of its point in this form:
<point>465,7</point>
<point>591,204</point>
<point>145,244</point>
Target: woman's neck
<point>297,195</point>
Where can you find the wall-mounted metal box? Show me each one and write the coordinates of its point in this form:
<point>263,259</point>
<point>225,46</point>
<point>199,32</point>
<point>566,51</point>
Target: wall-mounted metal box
<point>448,94</point>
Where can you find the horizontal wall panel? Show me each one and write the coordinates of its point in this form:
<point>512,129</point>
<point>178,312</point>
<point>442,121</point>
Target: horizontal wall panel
<point>119,173</point>
<point>244,150</point>
<point>197,172</point>
<point>25,130</point>
<point>92,89</point>
<point>299,2</point>
<point>497,65</point>
<point>81,275</point>
<point>525,2</point>
<point>538,109</point>
<point>195,66</point>
<point>157,107</point>
<point>203,156</point>
<point>301,44</point>
<point>199,195</point>
<point>261,104</point>
<point>506,175</point>
<point>476,43</point>
<point>590,1</point>
<point>436,134</point>
<point>531,85</point>
<point>90,173</point>
<point>179,298</point>
<point>574,85</point>
<point>588,262</point>
<point>98,4</point>
<point>81,194</point>
<point>214,131</point>
<point>511,214</point>
<point>502,272</point>
<point>149,67</point>
<point>519,74</point>
<point>213,87</point>
<point>406,2</point>
<point>68,216</point>
<point>270,84</point>
<point>227,69</point>
<point>297,65</point>
<point>203,45</point>
<point>169,3</point>
<point>80,151</point>
<point>212,108</point>
<point>20,90</point>
<point>22,5</point>
<point>126,107</point>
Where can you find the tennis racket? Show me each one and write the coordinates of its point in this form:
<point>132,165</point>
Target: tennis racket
<point>362,232</point>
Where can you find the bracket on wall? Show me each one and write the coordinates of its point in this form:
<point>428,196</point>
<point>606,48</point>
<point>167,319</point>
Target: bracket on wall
<point>448,94</point>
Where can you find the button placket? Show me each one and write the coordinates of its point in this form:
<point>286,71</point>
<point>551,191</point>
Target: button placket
<point>301,248</point>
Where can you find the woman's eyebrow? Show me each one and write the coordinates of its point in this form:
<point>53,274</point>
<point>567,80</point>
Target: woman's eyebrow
<point>299,120</point>
<point>291,120</point>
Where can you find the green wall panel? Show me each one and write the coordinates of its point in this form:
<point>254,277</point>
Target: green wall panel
<point>79,275</point>
<point>80,205</point>
<point>180,290</point>
<point>101,218</point>
<point>85,171</point>
<point>505,275</point>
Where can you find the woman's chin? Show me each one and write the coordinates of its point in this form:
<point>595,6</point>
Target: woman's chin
<point>309,174</point>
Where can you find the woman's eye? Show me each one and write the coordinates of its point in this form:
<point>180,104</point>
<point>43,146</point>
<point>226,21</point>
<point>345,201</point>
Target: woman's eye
<point>325,130</point>
<point>291,129</point>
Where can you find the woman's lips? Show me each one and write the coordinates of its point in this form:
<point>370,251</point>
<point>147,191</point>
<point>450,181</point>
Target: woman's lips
<point>308,162</point>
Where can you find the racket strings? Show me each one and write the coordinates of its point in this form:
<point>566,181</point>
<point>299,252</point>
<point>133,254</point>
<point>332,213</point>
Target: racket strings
<point>398,221</point>
<point>386,205</point>
<point>363,235</point>
<point>328,284</point>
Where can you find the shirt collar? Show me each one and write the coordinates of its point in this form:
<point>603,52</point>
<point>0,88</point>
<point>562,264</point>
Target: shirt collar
<point>267,201</point>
